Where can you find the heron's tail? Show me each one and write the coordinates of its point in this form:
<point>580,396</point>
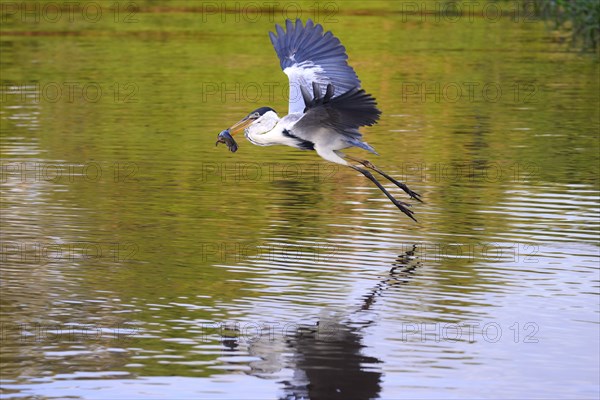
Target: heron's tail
<point>362,145</point>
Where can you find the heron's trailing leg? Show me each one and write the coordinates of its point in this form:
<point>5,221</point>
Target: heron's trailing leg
<point>368,164</point>
<point>401,206</point>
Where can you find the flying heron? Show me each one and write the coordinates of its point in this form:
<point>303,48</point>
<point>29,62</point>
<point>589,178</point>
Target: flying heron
<point>326,120</point>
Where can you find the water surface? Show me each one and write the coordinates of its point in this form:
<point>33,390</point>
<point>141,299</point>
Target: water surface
<point>139,261</point>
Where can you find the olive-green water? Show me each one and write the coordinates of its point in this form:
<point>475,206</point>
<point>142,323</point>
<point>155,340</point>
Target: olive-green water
<point>141,261</point>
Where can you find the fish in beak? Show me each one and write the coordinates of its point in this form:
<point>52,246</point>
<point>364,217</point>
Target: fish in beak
<point>226,136</point>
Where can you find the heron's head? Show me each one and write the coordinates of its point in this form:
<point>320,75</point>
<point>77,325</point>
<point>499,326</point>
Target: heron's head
<point>261,120</point>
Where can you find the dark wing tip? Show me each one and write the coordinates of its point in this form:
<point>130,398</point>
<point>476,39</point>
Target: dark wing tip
<point>355,108</point>
<point>329,93</point>
<point>306,97</point>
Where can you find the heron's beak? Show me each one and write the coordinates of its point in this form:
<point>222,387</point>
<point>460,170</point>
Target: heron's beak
<point>241,125</point>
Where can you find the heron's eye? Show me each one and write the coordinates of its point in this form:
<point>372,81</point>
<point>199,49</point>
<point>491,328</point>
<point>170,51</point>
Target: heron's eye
<point>255,115</point>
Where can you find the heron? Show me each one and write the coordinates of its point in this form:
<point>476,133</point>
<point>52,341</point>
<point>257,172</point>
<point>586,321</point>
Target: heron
<point>327,105</point>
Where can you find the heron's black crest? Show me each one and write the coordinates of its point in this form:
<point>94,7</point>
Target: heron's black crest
<point>262,110</point>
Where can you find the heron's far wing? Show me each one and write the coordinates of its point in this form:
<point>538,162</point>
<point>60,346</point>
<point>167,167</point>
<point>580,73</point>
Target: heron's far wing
<point>343,114</point>
<point>307,55</point>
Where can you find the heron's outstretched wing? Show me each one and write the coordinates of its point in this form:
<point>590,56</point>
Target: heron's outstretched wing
<point>308,55</point>
<point>343,114</point>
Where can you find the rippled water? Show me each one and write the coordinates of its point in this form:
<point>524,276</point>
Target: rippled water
<point>139,261</point>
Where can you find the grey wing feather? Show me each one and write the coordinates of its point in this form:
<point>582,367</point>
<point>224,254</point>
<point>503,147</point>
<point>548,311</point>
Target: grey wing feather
<point>307,55</point>
<point>344,114</point>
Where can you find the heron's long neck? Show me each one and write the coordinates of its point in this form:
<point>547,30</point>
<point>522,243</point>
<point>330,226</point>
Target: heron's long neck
<point>265,134</point>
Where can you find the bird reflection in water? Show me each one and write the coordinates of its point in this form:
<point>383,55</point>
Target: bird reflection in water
<point>328,358</point>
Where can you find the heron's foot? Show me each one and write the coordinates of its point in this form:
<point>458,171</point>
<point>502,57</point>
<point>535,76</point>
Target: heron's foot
<point>404,207</point>
<point>413,195</point>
